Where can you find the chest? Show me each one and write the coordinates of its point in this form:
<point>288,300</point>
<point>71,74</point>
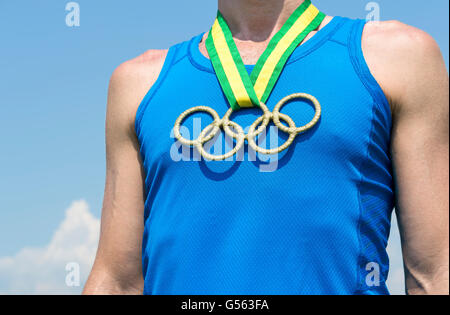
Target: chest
<point>339,138</point>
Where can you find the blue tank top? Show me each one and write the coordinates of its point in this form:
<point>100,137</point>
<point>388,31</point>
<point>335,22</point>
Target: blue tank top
<point>313,220</point>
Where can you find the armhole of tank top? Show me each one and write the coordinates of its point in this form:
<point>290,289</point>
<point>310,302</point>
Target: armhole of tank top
<point>363,71</point>
<point>168,60</point>
<point>380,103</point>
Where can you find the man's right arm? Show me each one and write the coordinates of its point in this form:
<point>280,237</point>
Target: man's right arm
<point>117,268</point>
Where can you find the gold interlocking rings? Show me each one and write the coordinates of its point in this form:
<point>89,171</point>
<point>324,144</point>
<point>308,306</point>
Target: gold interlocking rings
<point>256,128</point>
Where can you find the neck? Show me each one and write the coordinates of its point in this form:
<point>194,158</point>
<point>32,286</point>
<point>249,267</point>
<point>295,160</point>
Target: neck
<point>256,20</point>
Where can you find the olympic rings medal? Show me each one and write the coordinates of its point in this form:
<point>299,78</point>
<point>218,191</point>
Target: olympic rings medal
<point>252,135</point>
<point>258,126</point>
<point>240,137</point>
<point>189,112</point>
<point>276,113</point>
<point>267,115</point>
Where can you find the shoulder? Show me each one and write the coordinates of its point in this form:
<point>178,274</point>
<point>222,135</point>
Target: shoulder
<point>398,39</point>
<point>131,81</point>
<point>398,54</point>
<point>133,75</point>
<point>144,66</point>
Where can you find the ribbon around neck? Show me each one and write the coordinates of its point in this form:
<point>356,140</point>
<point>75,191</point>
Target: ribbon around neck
<point>242,89</point>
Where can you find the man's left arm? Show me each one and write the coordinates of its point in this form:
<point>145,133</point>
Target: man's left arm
<point>413,74</point>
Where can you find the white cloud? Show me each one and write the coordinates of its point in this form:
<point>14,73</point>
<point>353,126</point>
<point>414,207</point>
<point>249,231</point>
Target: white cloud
<point>43,270</point>
<point>396,281</point>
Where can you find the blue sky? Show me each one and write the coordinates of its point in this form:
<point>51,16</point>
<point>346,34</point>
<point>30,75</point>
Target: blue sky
<point>53,84</point>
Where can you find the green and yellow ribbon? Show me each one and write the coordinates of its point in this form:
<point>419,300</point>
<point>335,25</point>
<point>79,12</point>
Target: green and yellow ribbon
<point>242,89</point>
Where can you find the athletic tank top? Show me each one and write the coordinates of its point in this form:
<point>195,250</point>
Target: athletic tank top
<point>313,220</point>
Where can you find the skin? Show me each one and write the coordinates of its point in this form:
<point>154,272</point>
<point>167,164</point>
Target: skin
<point>409,67</point>
<point>418,93</point>
<point>117,268</point>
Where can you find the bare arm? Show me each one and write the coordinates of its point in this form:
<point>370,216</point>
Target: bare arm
<point>408,64</point>
<point>118,268</point>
